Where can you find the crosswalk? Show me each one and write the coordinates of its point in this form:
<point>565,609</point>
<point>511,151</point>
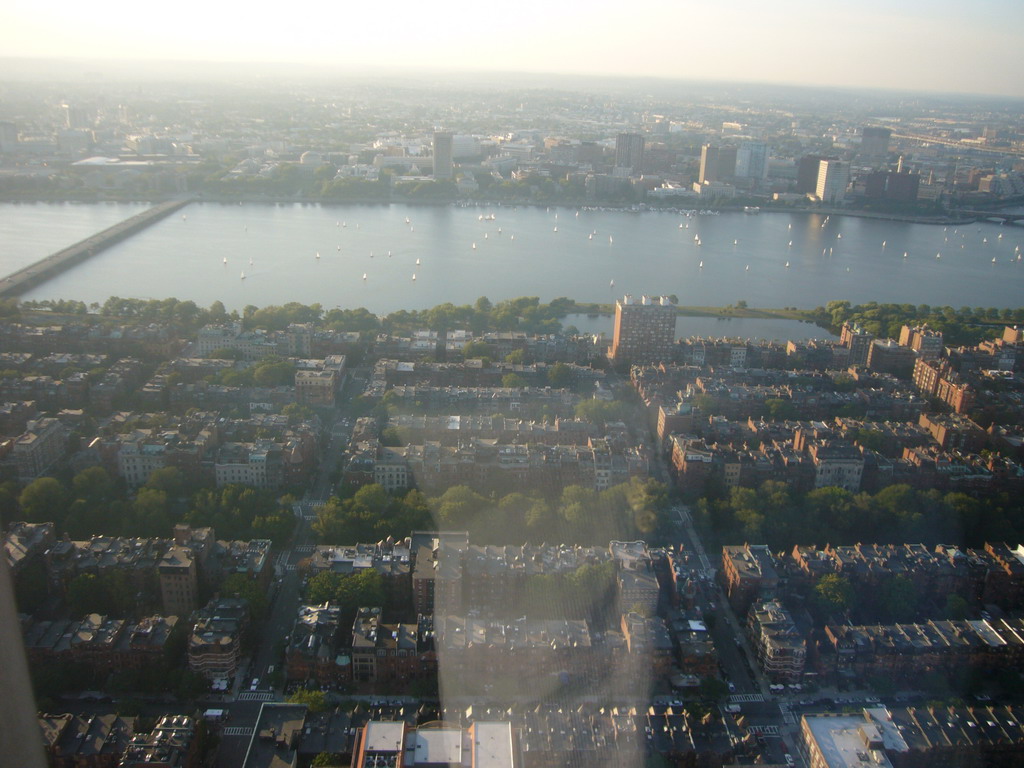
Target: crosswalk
<point>304,549</point>
<point>237,731</point>
<point>256,696</point>
<point>787,716</point>
<point>745,698</point>
<point>763,730</point>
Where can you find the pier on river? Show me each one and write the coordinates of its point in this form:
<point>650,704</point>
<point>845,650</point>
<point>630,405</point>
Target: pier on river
<point>29,277</point>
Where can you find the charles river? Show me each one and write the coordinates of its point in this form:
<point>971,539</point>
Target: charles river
<point>394,257</point>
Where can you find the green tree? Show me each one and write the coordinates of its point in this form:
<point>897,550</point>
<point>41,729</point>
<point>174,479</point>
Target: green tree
<point>315,700</point>
<point>513,381</point>
<point>274,373</point>
<point>560,375</point>
<point>458,506</point>
<point>168,480</point>
<point>706,404</point>
<point>297,412</point>
<point>31,586</point>
<point>93,484</point>
<point>323,587</point>
<point>712,689</point>
<point>87,594</point>
<point>833,594</point>
<point>42,500</point>
<point>870,439</point>
<point>957,608</point>
<point>831,511</point>
<point>277,527</point>
<point>779,409</point>
<point>648,502</point>
<point>390,436</point>
<point>477,349</point>
<point>601,411</point>
<point>150,511</point>
<point>898,599</point>
<point>363,589</point>
<point>327,759</point>
<point>241,586</point>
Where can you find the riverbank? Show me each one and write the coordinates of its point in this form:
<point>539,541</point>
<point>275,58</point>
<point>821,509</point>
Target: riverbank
<point>730,311</point>
<point>764,206</point>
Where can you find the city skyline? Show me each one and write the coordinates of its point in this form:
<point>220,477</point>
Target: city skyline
<point>918,47</point>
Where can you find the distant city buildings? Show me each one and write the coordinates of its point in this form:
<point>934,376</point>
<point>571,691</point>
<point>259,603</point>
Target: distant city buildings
<point>443,155</point>
<point>751,160</point>
<point>808,168</point>
<point>874,142</point>
<point>717,163</point>
<point>833,179</point>
<point>629,152</point>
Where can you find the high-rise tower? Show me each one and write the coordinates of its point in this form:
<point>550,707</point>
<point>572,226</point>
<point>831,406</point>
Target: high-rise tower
<point>716,163</point>
<point>645,330</point>
<point>874,141</point>
<point>833,178</point>
<point>629,151</point>
<point>443,155</point>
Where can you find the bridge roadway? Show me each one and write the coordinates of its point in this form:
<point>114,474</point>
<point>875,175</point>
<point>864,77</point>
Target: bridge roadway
<point>957,144</point>
<point>29,277</point>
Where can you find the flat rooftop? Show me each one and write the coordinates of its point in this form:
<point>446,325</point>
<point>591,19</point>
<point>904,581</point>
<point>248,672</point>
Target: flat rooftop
<point>843,741</point>
<point>433,746</point>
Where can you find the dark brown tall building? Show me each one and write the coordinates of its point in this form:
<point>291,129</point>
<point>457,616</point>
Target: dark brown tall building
<point>874,141</point>
<point>807,173</point>
<point>716,163</point>
<point>629,151</point>
<point>645,329</point>
<point>858,341</point>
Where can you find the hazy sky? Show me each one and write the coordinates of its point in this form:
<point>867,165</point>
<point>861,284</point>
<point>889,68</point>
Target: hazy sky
<point>973,47</point>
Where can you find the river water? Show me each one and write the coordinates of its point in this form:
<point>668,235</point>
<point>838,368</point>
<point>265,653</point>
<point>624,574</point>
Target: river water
<point>416,257</point>
<point>30,231</point>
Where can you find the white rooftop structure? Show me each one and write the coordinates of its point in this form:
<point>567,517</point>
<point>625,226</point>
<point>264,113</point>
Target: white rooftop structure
<point>492,744</point>
<point>435,746</point>
<point>384,736</point>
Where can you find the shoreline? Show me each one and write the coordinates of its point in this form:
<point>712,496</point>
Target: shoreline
<point>728,312</point>
<point>946,220</point>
